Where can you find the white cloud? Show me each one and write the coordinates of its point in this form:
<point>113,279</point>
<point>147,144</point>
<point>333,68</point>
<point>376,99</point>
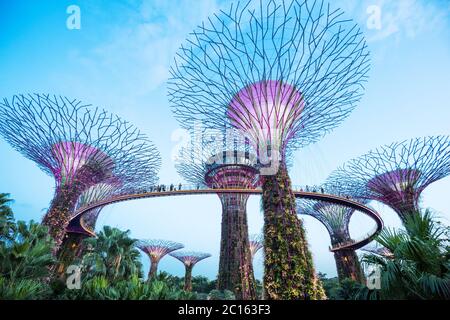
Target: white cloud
<point>137,55</point>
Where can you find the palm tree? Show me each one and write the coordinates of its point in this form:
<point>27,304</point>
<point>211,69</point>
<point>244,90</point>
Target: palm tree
<point>25,256</point>
<point>419,267</point>
<point>6,217</point>
<point>113,255</point>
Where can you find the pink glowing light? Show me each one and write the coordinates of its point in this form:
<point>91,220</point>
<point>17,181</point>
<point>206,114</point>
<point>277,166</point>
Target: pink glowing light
<point>72,156</point>
<point>268,113</point>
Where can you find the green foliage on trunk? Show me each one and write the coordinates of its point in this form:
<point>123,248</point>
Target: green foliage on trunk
<point>289,271</point>
<point>235,265</point>
<point>348,266</point>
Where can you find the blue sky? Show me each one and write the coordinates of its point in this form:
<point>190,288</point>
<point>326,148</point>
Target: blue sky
<point>119,60</point>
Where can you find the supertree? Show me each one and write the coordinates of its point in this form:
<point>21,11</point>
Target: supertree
<point>79,146</point>
<point>396,174</point>
<point>83,227</point>
<point>379,250</point>
<point>156,250</point>
<point>284,73</point>
<point>189,259</point>
<point>223,162</point>
<point>256,243</point>
<point>142,175</point>
<point>336,219</point>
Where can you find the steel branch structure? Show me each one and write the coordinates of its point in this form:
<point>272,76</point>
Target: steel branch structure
<point>296,67</point>
<point>226,163</point>
<point>141,177</point>
<point>380,251</point>
<point>256,244</point>
<point>79,146</point>
<point>189,259</point>
<point>156,250</point>
<point>396,174</point>
<point>336,219</point>
<point>284,73</point>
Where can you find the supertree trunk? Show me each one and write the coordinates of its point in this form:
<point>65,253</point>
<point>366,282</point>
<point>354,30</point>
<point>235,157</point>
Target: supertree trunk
<point>288,267</point>
<point>60,212</point>
<point>348,266</point>
<point>188,278</point>
<point>71,249</point>
<point>153,269</point>
<point>235,266</point>
<point>63,204</point>
<point>407,206</point>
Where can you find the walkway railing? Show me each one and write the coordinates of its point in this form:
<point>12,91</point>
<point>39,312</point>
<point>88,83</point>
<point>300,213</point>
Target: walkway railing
<point>306,192</point>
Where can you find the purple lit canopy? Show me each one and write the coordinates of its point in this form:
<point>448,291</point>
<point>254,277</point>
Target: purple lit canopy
<point>80,146</point>
<point>283,72</point>
<point>397,174</point>
<point>335,217</point>
<point>156,249</point>
<point>267,112</point>
<point>189,258</point>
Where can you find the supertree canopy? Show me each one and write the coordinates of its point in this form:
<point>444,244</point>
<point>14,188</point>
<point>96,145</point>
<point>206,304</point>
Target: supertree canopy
<point>79,146</point>
<point>284,73</point>
<point>97,192</point>
<point>142,176</point>
<point>396,174</point>
<point>256,244</point>
<point>156,249</point>
<point>379,250</point>
<point>336,219</point>
<point>82,227</point>
<point>189,259</point>
<point>226,164</point>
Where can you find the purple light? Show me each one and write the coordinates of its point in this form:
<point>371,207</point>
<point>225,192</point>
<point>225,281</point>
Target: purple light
<point>232,177</point>
<point>267,112</point>
<point>157,249</point>
<point>189,258</point>
<point>397,189</point>
<point>256,243</point>
<point>71,157</point>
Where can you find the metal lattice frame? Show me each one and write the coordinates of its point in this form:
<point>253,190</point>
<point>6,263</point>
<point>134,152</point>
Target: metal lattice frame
<point>379,250</point>
<point>61,135</point>
<point>200,160</point>
<point>283,72</point>
<point>397,174</point>
<point>190,258</point>
<point>220,162</point>
<point>156,249</point>
<point>78,145</point>
<point>256,244</point>
<point>335,217</point>
<point>143,177</point>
